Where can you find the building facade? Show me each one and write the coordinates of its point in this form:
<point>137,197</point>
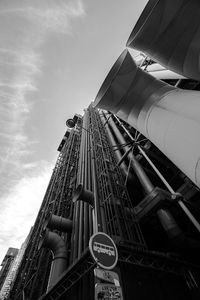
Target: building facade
<point>13,271</point>
<point>130,169</point>
<point>100,166</point>
<point>7,265</point>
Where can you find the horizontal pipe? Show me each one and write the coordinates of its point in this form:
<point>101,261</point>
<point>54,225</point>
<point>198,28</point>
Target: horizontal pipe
<point>83,194</point>
<point>59,223</point>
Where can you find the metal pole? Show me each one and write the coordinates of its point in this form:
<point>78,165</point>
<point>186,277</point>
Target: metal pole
<point>140,173</point>
<point>117,152</point>
<point>96,204</point>
<point>156,171</point>
<point>86,179</point>
<point>171,190</point>
<point>91,217</point>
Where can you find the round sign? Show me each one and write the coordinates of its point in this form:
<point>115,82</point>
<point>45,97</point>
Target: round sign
<point>103,250</point>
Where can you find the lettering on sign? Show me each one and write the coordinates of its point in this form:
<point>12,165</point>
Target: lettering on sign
<point>101,248</point>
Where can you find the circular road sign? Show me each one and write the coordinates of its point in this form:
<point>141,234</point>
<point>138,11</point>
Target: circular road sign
<point>103,250</point>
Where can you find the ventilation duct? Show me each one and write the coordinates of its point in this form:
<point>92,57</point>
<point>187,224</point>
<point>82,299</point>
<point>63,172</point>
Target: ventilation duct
<point>59,223</point>
<point>169,32</point>
<point>83,194</point>
<point>167,116</point>
<point>57,245</point>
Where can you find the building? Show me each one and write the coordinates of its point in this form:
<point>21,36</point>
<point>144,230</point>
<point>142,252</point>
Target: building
<point>7,265</point>
<point>128,168</point>
<point>134,208</point>
<point>13,270</point>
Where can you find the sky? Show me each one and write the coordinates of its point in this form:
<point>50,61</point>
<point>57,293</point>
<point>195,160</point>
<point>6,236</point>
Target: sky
<point>54,56</point>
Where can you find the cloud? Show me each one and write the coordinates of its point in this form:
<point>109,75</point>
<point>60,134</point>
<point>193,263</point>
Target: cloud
<point>25,27</point>
<point>20,207</point>
<point>49,15</point>
<point>57,17</point>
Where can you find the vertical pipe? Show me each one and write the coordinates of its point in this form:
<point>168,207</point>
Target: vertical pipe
<point>80,236</point>
<point>143,178</point>
<point>96,204</point>
<point>117,151</point>
<point>86,206</point>
<point>58,247</point>
<point>181,204</point>
<point>165,217</point>
<point>82,180</point>
<point>91,217</point>
<point>75,233</point>
<point>169,224</point>
<point>76,217</point>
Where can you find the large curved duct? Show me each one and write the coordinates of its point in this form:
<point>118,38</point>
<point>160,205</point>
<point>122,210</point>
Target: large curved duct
<point>169,32</point>
<point>57,245</point>
<point>167,116</point>
<point>83,194</point>
<point>59,223</point>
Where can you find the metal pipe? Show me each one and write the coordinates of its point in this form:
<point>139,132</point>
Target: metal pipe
<point>163,40</point>
<point>74,241</point>
<point>80,236</point>
<point>144,102</point>
<point>124,128</point>
<point>171,190</point>
<point>57,245</point>
<point>140,173</point>
<point>83,194</point>
<point>59,223</point>
<point>82,180</point>
<point>182,205</point>
<point>85,205</point>
<point>143,178</point>
<point>96,204</point>
<point>175,233</point>
<point>91,225</point>
<point>124,156</point>
<point>117,151</point>
<point>170,226</point>
<point>156,171</point>
<point>76,217</point>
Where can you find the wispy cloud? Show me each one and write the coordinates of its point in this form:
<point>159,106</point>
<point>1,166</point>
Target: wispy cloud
<point>25,27</point>
<point>51,15</point>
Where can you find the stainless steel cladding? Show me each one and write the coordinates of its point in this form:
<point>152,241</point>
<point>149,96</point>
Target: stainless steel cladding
<point>167,116</point>
<point>169,32</point>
